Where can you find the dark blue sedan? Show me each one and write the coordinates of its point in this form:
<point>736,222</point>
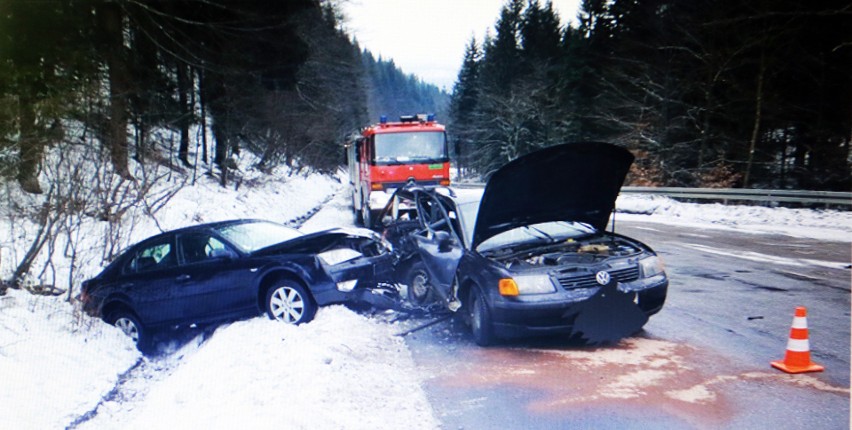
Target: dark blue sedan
<point>231,269</point>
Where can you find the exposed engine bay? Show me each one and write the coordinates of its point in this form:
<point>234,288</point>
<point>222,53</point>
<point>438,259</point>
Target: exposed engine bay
<point>571,251</point>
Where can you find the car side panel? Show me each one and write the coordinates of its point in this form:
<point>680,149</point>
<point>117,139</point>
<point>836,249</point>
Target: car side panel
<point>215,287</point>
<point>150,295</point>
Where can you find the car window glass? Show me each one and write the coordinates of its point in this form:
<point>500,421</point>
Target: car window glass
<point>468,212</point>
<point>197,247</point>
<point>251,236</point>
<point>153,257</point>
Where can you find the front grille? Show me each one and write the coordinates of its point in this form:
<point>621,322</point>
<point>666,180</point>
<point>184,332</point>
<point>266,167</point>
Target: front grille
<point>573,279</point>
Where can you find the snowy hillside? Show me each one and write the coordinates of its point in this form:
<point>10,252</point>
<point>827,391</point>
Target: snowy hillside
<point>57,363</point>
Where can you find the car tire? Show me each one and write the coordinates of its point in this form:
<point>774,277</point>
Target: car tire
<point>420,291</point>
<point>130,325</point>
<point>289,302</point>
<point>480,319</point>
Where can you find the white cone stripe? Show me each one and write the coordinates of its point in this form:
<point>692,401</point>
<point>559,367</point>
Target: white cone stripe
<point>800,322</point>
<point>798,345</point>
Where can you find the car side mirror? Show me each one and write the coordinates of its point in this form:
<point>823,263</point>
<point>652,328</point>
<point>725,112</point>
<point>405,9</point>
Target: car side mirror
<point>445,241</point>
<point>224,254</point>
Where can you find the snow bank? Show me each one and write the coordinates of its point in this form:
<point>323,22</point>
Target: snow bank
<point>54,361</point>
<point>339,371</point>
<point>828,225</point>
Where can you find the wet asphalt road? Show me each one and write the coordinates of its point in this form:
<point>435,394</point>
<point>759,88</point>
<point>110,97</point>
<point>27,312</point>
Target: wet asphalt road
<point>702,362</point>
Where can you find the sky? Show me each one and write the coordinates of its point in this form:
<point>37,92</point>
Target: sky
<point>427,38</point>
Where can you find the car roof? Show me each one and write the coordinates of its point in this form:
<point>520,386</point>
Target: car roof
<point>200,227</point>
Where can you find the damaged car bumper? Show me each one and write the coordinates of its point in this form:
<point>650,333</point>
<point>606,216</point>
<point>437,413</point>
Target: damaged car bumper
<point>542,315</point>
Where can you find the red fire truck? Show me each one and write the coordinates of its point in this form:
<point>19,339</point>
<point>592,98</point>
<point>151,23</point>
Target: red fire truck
<point>388,155</point>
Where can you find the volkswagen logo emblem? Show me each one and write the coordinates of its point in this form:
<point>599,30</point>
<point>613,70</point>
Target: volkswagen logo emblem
<point>602,277</point>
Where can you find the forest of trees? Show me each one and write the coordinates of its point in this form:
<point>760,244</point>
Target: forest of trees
<point>392,92</point>
<point>278,78</point>
<point>706,93</point>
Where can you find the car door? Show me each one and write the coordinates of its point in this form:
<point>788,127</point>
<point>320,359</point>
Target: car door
<point>148,279</point>
<point>213,280</point>
<point>438,243</point>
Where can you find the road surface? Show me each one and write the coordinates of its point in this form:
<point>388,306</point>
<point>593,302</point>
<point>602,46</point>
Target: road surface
<point>702,362</point>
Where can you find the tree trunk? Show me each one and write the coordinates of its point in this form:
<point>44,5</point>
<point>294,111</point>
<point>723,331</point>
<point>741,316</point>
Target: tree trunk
<point>30,145</point>
<point>184,87</point>
<point>45,227</point>
<point>111,23</point>
<point>758,114</point>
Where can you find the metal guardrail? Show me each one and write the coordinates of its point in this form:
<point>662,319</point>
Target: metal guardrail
<point>725,194</point>
<point>754,195</point>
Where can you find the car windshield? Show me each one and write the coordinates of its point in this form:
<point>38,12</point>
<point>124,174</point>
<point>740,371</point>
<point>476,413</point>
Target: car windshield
<point>548,232</point>
<point>410,147</point>
<point>468,214</point>
<point>251,236</point>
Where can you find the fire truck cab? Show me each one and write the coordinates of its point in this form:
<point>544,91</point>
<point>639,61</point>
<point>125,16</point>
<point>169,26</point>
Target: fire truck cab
<point>389,155</point>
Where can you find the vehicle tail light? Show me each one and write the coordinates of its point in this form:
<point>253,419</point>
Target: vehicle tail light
<point>376,187</point>
<point>508,287</point>
<point>445,182</point>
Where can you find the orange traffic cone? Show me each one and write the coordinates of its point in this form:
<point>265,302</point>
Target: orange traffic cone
<point>798,357</point>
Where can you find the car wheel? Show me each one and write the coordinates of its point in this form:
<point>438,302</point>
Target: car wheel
<point>419,288</point>
<point>290,303</point>
<point>130,325</point>
<point>480,319</point>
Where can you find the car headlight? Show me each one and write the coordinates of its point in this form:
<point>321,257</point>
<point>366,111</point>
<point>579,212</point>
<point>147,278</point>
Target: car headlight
<point>526,284</point>
<point>337,256</point>
<point>347,286</point>
<point>651,266</point>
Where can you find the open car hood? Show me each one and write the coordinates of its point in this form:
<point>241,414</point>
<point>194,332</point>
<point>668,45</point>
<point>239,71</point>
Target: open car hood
<point>569,182</point>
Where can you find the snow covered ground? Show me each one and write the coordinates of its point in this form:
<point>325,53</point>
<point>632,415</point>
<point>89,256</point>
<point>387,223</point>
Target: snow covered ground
<point>342,370</point>
<point>826,225</point>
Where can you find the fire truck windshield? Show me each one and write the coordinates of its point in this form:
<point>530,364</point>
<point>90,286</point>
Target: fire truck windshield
<point>410,147</point>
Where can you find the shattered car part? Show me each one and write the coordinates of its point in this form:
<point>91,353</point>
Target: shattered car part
<point>530,255</point>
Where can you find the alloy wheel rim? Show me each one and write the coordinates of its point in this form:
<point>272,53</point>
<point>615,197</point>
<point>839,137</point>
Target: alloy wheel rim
<point>287,305</point>
<point>420,286</point>
<point>128,327</point>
